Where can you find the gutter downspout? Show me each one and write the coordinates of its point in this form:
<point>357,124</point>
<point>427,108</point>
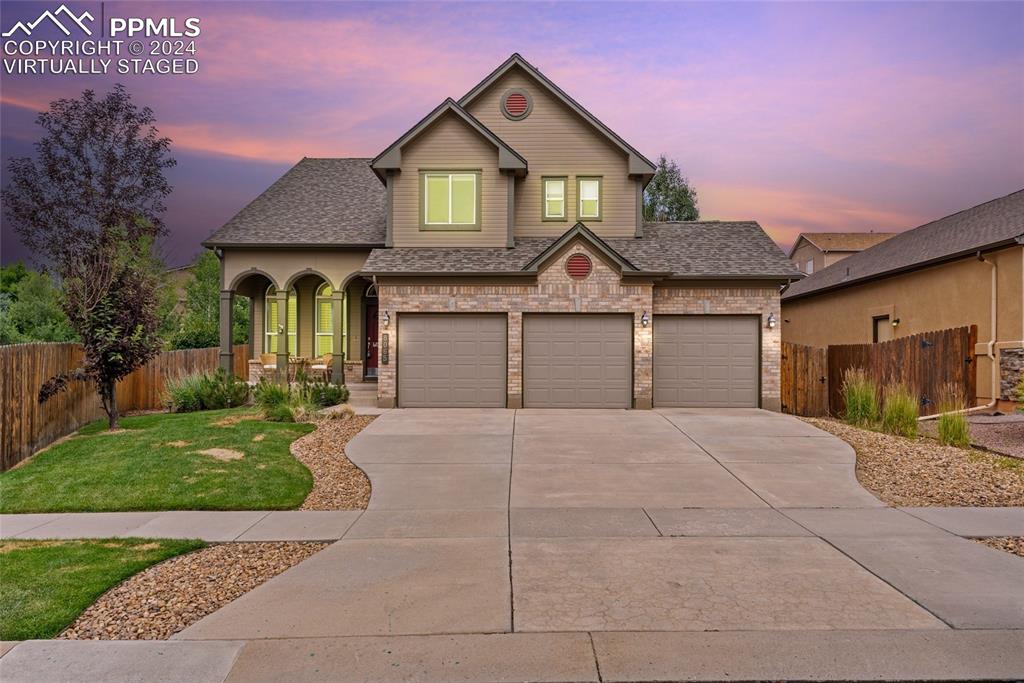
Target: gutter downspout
<point>990,352</point>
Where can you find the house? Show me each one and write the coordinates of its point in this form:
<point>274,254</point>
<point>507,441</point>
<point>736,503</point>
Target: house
<point>964,269</point>
<point>495,255</point>
<point>813,251</point>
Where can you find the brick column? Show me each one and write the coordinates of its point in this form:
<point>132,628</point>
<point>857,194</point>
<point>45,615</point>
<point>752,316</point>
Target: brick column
<point>643,360</point>
<point>387,338</point>
<point>515,360</point>
<point>771,357</point>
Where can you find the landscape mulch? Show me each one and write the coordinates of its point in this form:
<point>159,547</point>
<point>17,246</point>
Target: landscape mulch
<point>1010,544</point>
<point>162,600</point>
<point>922,472</point>
<point>337,483</point>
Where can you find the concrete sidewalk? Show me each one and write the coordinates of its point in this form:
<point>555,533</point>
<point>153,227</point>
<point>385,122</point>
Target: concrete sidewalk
<point>286,525</point>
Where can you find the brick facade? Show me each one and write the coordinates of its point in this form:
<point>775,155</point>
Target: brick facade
<point>603,291</point>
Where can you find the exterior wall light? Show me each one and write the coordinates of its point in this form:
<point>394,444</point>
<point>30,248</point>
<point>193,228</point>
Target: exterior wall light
<point>645,319</point>
<point>387,319</point>
<point>895,322</point>
<point>771,321</point>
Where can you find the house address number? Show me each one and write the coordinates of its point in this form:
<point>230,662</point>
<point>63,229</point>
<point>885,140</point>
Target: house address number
<point>384,349</point>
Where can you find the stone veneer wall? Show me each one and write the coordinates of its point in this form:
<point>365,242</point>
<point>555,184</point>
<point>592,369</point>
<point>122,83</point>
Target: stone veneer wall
<point>1011,367</point>
<point>736,301</point>
<point>601,292</point>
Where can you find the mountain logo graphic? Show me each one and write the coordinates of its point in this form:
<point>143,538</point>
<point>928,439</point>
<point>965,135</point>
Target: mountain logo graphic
<point>63,11</point>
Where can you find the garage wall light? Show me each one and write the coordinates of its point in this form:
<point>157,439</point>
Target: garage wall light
<point>771,321</point>
<point>896,322</point>
<point>387,319</point>
<point>645,319</point>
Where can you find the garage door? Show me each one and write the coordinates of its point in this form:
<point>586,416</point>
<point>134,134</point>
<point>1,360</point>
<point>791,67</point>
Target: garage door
<point>451,361</point>
<point>577,361</point>
<point>706,360</point>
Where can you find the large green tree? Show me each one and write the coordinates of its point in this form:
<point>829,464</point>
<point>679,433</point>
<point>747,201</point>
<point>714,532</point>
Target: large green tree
<point>89,206</point>
<point>30,308</point>
<point>199,322</point>
<point>669,196</point>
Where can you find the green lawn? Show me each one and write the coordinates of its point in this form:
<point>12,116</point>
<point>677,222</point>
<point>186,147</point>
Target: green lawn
<point>154,464</point>
<point>45,585</point>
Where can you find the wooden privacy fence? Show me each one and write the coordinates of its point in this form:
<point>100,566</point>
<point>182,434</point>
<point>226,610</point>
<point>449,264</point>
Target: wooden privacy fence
<point>26,426</point>
<point>804,380</point>
<point>924,362</point>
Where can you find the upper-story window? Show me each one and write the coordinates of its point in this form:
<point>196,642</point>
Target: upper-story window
<point>450,200</point>
<point>554,199</point>
<point>588,191</point>
<point>809,266</point>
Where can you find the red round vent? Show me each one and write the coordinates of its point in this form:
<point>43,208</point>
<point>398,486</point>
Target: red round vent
<point>516,104</point>
<point>578,266</point>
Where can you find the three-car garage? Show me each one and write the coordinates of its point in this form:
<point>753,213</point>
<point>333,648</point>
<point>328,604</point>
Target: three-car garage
<point>576,360</point>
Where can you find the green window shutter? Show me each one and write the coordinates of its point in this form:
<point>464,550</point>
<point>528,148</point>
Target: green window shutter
<point>463,199</point>
<point>437,199</point>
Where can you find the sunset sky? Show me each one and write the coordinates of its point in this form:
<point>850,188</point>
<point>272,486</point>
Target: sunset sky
<point>802,116</point>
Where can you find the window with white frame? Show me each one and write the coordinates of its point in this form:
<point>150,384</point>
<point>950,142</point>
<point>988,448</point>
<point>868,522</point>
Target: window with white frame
<point>809,266</point>
<point>450,200</point>
<point>554,199</point>
<point>324,320</point>
<point>589,191</point>
<point>273,320</point>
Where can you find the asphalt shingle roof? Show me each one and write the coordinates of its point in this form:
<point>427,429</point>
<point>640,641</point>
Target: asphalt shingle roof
<point>318,202</point>
<point>685,249</point>
<point>995,222</point>
<point>845,241</point>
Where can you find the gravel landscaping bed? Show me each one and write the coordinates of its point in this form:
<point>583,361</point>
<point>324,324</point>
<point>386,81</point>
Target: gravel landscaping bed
<point>162,600</point>
<point>1010,544</point>
<point>922,472</point>
<point>337,483</point>
<point>999,433</point>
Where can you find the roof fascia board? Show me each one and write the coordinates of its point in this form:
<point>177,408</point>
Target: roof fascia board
<point>638,163</point>
<point>211,244</point>
<point>580,230</point>
<point>391,158</point>
<point>907,269</point>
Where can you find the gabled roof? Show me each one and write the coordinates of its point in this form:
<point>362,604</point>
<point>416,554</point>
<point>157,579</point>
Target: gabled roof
<point>996,223</point>
<point>391,158</point>
<point>638,163</point>
<point>584,233</point>
<point>841,241</point>
<point>690,250</point>
<point>318,202</point>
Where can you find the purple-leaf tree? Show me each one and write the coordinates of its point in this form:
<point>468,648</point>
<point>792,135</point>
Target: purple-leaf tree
<point>89,206</point>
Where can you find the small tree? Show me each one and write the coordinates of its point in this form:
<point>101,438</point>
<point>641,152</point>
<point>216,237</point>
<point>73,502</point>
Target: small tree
<point>669,196</point>
<point>89,208</point>
<point>199,323</point>
<point>31,310</point>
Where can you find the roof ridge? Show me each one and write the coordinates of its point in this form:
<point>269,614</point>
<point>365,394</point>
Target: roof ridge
<point>970,208</point>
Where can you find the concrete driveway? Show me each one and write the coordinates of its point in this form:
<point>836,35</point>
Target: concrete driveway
<point>562,545</point>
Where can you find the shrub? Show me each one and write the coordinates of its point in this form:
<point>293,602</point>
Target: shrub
<point>900,412</point>
<point>323,394</point>
<point>269,395</point>
<point>279,412</point>
<point>205,391</point>
<point>1020,393</point>
<point>953,427</point>
<point>861,397</point>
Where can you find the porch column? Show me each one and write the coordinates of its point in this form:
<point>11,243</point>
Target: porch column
<point>282,336</point>
<point>338,331</point>
<point>227,309</point>
<point>252,328</point>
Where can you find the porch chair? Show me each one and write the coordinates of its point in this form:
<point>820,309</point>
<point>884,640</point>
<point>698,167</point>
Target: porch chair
<point>321,367</point>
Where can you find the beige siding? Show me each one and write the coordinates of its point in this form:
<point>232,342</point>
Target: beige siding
<point>804,253</point>
<point>450,144</point>
<point>557,142</point>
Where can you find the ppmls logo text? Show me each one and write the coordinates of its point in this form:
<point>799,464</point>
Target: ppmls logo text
<point>65,19</point>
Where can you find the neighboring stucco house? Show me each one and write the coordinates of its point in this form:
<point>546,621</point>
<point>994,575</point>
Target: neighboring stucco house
<point>495,255</point>
<point>814,251</point>
<point>964,269</point>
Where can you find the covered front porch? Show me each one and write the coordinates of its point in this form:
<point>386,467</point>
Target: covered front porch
<point>318,320</point>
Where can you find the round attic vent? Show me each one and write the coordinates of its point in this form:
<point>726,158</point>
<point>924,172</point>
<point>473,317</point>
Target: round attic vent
<point>578,266</point>
<point>516,104</point>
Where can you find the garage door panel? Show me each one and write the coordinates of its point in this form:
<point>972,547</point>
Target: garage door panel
<point>451,360</point>
<point>707,361</point>
<point>577,360</point>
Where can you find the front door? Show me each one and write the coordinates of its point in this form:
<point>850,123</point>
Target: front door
<point>372,346</point>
